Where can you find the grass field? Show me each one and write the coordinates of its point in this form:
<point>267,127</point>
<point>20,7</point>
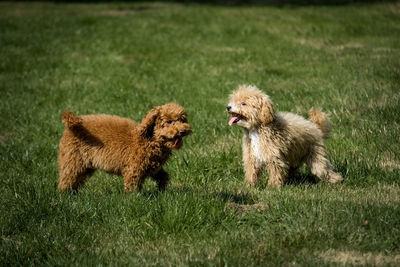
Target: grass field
<point>125,58</point>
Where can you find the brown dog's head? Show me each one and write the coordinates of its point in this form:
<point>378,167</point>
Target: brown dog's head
<point>167,124</point>
<point>249,107</point>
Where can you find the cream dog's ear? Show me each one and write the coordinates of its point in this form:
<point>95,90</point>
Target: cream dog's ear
<point>267,110</point>
<point>146,127</point>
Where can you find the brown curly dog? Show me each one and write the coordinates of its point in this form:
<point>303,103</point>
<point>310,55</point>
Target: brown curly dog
<point>120,146</point>
<point>279,142</point>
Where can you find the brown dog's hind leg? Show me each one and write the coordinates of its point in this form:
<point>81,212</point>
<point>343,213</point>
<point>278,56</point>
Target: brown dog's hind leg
<point>72,174</point>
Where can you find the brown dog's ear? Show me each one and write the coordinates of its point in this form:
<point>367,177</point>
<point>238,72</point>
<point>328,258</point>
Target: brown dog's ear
<point>267,110</point>
<point>146,127</point>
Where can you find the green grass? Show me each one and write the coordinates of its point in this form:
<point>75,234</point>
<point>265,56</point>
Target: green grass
<point>125,58</point>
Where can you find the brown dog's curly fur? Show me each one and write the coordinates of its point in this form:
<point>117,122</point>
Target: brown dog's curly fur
<point>279,142</point>
<point>120,146</point>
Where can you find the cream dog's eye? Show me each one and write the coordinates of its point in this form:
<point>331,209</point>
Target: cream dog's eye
<point>243,104</point>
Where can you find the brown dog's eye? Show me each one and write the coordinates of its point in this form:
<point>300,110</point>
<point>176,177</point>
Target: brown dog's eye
<point>243,104</point>
<point>169,121</point>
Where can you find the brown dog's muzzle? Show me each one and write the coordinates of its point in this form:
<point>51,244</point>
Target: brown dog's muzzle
<point>182,132</point>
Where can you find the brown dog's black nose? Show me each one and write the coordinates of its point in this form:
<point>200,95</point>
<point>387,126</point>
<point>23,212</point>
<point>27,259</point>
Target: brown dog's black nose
<point>182,133</point>
<point>228,108</point>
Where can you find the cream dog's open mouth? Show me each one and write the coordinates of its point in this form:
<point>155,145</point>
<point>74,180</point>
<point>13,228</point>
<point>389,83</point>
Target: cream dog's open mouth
<point>235,117</point>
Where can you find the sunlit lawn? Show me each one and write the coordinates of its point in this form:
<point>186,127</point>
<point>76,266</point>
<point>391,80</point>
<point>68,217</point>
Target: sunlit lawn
<point>125,58</point>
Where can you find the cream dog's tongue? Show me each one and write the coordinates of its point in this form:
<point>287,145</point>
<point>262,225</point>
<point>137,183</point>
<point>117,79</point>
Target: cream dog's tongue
<point>232,120</point>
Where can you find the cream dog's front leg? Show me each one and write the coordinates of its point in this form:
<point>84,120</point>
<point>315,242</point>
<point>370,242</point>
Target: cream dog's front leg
<point>252,171</point>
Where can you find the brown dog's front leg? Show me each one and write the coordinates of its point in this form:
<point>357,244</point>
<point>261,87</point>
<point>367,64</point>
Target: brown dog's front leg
<point>162,179</point>
<point>133,180</point>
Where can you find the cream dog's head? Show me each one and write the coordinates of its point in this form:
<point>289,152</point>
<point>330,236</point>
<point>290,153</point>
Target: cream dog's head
<point>249,107</point>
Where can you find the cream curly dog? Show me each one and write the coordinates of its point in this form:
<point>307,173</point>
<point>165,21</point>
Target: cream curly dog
<point>120,146</point>
<point>279,142</point>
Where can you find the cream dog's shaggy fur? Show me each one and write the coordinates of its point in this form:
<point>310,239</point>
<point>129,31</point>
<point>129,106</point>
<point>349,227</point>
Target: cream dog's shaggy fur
<point>120,146</point>
<point>279,142</point>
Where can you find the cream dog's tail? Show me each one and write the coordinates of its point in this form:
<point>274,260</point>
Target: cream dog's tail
<point>322,120</point>
<point>69,119</point>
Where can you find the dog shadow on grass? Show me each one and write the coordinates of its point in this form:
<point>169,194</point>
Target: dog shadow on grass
<point>244,202</point>
<point>239,197</point>
<point>303,178</point>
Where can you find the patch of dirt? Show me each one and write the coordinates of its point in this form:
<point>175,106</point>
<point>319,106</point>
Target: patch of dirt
<point>346,46</point>
<point>227,49</point>
<point>243,208</point>
<point>136,9</point>
<point>116,12</point>
<point>395,9</point>
<point>6,136</point>
<point>389,161</point>
<point>358,258</point>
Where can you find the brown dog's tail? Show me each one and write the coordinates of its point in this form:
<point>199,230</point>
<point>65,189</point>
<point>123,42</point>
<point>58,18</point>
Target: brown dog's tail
<point>69,119</point>
<point>322,120</point>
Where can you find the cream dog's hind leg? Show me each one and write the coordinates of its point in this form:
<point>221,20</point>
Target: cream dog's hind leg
<point>320,166</point>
